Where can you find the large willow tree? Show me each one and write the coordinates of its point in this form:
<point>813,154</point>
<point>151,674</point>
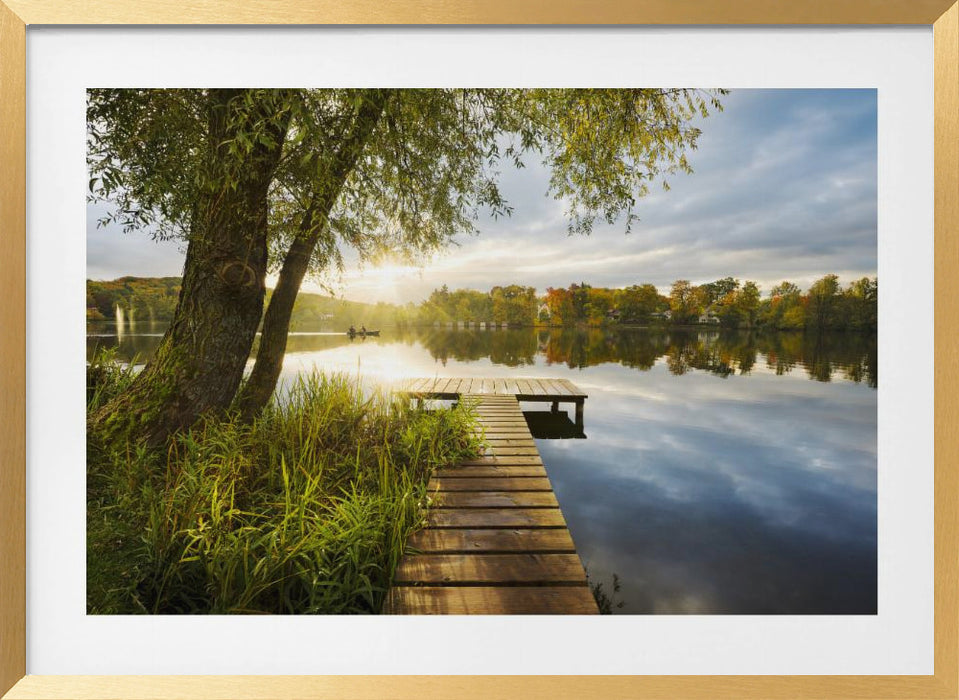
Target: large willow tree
<point>284,180</point>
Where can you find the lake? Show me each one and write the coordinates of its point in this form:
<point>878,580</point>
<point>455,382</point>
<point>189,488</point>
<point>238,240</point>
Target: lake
<point>721,472</point>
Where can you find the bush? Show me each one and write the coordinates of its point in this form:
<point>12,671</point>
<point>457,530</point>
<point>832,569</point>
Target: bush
<point>307,510</point>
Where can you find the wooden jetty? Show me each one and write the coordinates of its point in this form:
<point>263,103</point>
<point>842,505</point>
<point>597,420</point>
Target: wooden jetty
<point>496,542</point>
<point>553,391</point>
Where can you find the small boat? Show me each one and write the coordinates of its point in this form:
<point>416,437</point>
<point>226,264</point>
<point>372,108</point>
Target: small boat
<point>353,333</point>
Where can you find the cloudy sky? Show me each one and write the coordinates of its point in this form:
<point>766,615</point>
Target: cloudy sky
<point>784,187</point>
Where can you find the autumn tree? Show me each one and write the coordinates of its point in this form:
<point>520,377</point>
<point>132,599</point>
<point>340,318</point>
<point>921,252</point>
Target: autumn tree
<point>638,302</point>
<point>861,299</point>
<point>824,295</point>
<point>784,308</point>
<point>683,301</point>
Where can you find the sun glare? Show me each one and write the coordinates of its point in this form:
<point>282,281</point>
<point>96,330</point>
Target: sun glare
<point>383,282</point>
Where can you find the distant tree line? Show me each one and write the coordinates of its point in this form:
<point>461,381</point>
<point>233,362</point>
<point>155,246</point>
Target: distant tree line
<point>513,304</point>
<point>155,298</point>
<point>139,298</point>
<point>726,302</point>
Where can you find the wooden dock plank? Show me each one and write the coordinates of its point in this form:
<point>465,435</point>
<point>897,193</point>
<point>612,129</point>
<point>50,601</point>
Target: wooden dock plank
<point>530,388</point>
<point>503,461</point>
<point>496,517</point>
<point>508,483</point>
<point>492,600</point>
<point>512,452</point>
<point>544,540</point>
<point>573,389</point>
<point>492,471</point>
<point>519,568</point>
<point>494,499</point>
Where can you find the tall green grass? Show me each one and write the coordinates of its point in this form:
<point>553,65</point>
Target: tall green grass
<point>307,510</point>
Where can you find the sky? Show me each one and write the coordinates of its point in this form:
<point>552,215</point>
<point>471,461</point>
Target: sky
<point>784,188</point>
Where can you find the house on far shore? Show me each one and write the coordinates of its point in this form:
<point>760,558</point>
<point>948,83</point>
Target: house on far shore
<point>664,315</point>
<point>709,317</point>
<point>542,313</point>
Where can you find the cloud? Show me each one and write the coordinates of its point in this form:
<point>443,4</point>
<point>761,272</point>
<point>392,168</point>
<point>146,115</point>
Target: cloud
<point>785,187</point>
<point>111,253</point>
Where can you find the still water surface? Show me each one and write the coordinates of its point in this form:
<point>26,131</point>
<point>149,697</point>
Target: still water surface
<point>721,472</point>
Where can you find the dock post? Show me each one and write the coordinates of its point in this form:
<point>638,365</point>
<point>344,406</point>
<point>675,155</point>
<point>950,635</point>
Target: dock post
<point>579,413</point>
<point>555,407</point>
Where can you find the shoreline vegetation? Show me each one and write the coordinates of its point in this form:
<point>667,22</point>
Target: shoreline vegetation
<point>305,510</point>
<point>725,303</point>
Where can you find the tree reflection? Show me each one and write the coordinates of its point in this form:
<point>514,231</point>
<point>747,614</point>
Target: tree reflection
<point>822,356</point>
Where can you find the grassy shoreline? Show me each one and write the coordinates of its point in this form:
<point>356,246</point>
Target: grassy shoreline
<point>307,510</point>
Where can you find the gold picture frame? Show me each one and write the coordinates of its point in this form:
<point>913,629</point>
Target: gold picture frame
<point>15,15</point>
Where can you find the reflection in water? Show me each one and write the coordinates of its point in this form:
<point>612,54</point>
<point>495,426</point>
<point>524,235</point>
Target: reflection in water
<point>716,478</point>
<point>547,425</point>
<point>823,357</point>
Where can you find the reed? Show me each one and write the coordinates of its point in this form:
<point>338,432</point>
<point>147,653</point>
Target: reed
<point>306,510</point>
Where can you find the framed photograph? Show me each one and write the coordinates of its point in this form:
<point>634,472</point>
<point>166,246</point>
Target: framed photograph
<point>585,317</point>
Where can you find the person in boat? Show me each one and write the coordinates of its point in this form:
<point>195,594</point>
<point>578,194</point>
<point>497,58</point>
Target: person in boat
<point>362,330</point>
<point>351,332</point>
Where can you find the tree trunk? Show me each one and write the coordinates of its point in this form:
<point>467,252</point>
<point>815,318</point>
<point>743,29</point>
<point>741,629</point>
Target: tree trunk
<point>259,387</point>
<point>200,361</point>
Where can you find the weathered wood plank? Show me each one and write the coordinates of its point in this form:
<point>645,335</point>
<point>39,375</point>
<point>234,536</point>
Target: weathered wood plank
<point>512,451</point>
<point>545,539</point>
<point>496,517</point>
<point>507,445</point>
<point>494,499</point>
<point>491,600</point>
<point>503,460</point>
<point>491,568</point>
<point>573,389</point>
<point>509,483</point>
<point>474,472</point>
<point>495,388</point>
